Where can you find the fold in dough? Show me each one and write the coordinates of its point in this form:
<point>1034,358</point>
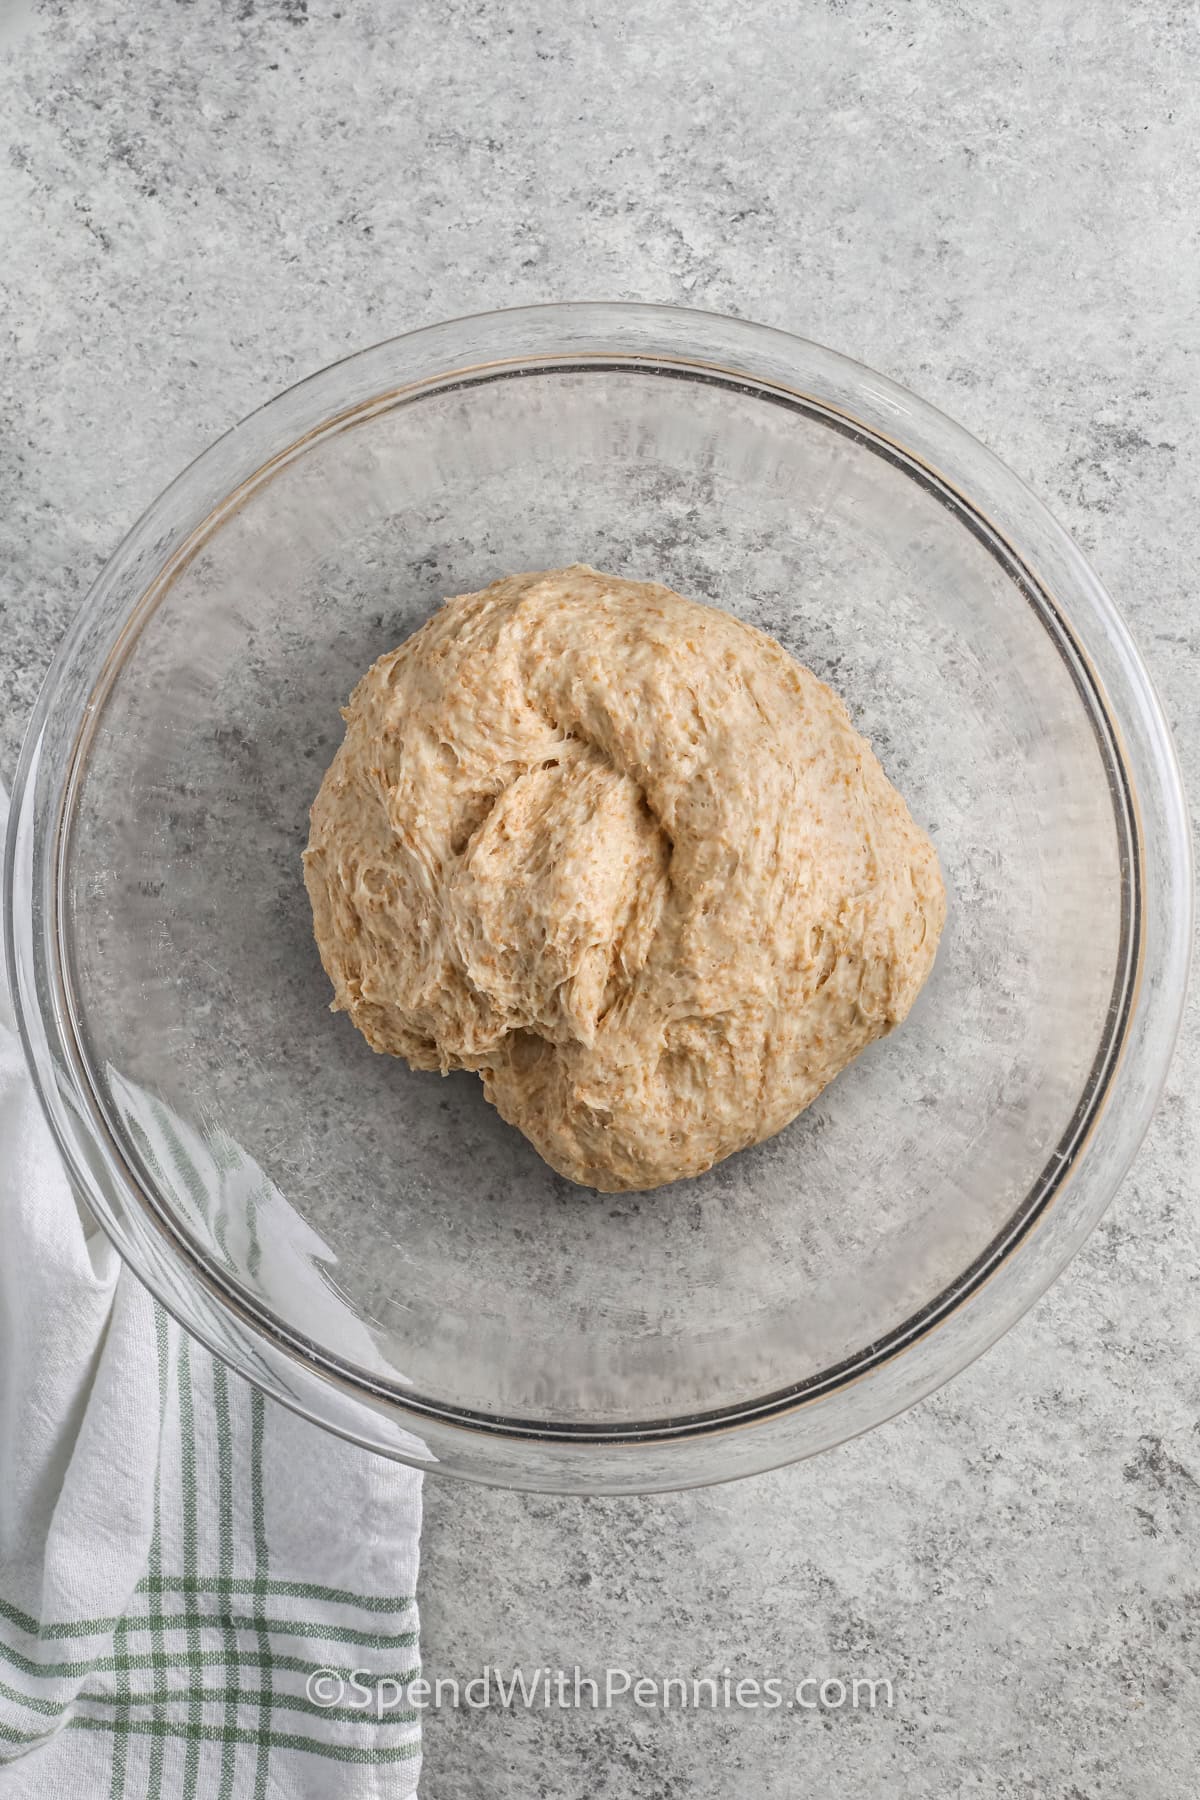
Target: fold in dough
<point>622,855</point>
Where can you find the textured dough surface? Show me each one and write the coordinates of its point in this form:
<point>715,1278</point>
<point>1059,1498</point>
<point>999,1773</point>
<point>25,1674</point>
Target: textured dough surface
<point>621,854</point>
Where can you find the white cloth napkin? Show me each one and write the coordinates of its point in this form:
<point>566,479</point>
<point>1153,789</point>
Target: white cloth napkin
<point>180,1559</point>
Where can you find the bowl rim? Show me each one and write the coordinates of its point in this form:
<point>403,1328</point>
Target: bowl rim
<point>39,961</point>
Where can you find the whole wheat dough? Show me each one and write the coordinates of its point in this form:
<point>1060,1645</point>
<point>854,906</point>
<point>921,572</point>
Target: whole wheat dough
<point>622,855</point>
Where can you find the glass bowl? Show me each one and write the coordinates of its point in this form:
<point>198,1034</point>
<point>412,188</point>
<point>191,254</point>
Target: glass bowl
<point>376,1247</point>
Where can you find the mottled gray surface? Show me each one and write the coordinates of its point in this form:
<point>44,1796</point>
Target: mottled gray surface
<point>999,206</point>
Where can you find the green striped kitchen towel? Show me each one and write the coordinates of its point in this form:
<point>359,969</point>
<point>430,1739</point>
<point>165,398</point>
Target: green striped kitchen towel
<point>180,1559</point>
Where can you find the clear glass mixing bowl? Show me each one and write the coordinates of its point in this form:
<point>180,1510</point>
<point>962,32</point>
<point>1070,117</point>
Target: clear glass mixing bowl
<point>375,1247</point>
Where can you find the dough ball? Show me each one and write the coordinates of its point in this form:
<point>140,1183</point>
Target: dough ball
<point>620,854</point>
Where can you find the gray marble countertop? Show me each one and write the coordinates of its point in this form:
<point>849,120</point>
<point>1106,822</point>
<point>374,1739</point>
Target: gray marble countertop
<point>999,205</point>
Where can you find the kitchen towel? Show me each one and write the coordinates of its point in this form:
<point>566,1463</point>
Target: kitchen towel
<point>201,1594</point>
